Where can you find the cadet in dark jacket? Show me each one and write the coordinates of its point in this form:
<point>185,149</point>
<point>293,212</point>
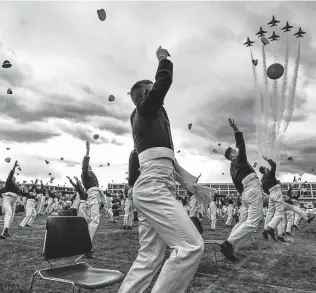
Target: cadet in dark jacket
<point>154,191</point>
<point>30,211</point>
<point>95,195</point>
<point>247,183</point>
<point>9,201</point>
<point>276,202</point>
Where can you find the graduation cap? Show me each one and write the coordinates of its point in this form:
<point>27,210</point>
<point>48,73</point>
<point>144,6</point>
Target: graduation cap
<point>8,160</point>
<point>219,144</point>
<point>101,14</point>
<point>111,98</point>
<point>8,149</point>
<point>24,181</point>
<point>17,174</point>
<point>101,166</point>
<point>46,162</point>
<point>265,41</point>
<point>290,158</point>
<point>49,174</point>
<point>178,151</point>
<point>62,158</point>
<point>126,172</point>
<point>215,151</point>
<point>96,136</point>
<point>9,91</point>
<point>255,62</point>
<point>313,170</point>
<point>108,164</point>
<point>190,126</point>
<point>301,174</point>
<point>19,169</point>
<point>222,173</point>
<point>6,64</point>
<point>255,164</point>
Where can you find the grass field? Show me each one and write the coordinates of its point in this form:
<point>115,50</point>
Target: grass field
<point>264,266</point>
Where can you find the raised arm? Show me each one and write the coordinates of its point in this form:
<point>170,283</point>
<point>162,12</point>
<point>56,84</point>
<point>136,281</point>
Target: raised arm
<point>10,176</point>
<point>32,188</point>
<point>86,159</point>
<point>71,182</point>
<point>133,168</point>
<point>153,101</point>
<point>240,143</point>
<point>272,164</point>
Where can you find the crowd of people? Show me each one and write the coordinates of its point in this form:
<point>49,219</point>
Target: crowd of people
<point>164,218</point>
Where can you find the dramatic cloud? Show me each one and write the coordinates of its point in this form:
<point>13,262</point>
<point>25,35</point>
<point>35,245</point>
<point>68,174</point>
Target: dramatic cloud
<point>69,64</point>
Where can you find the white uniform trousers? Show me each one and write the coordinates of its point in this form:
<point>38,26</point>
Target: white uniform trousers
<point>276,208</point>
<point>251,211</point>
<point>8,207</point>
<point>230,210</point>
<point>162,222</point>
<point>30,213</point>
<point>49,207</point>
<point>213,215</point>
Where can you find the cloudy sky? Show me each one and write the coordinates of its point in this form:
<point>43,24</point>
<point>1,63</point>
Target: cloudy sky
<point>66,63</point>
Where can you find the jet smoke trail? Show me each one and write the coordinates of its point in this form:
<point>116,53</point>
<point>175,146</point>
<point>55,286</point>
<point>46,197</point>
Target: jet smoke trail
<point>283,100</point>
<point>266,102</point>
<point>258,107</point>
<point>292,94</point>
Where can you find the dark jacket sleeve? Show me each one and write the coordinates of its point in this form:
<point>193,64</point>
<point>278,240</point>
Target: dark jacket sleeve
<point>273,166</point>
<point>240,144</point>
<point>85,165</point>
<point>151,103</point>
<point>133,168</point>
<point>9,182</point>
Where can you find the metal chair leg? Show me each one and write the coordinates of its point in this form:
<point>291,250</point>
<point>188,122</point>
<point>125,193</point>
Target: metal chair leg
<point>216,261</point>
<point>33,279</point>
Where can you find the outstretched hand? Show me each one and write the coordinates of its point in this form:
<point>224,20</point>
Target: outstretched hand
<point>162,53</point>
<point>231,122</point>
<point>265,158</point>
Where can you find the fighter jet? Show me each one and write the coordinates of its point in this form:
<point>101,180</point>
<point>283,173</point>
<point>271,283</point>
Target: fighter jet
<point>300,33</point>
<point>274,37</point>
<point>248,43</point>
<point>261,32</point>
<point>287,27</point>
<point>273,22</point>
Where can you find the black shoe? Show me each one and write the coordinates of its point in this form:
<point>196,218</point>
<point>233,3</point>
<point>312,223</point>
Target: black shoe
<point>227,250</point>
<point>2,237</point>
<point>129,228</point>
<point>294,226</point>
<point>28,226</point>
<point>6,233</point>
<point>270,231</point>
<point>280,238</point>
<point>310,218</point>
<point>124,228</point>
<point>288,233</point>
<point>265,234</point>
<point>212,229</point>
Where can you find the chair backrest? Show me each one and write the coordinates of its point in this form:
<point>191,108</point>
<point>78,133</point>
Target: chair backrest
<point>74,211</point>
<point>65,213</point>
<point>66,237</point>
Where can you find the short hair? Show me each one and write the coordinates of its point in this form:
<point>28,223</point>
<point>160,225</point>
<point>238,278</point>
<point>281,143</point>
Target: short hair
<point>227,153</point>
<point>138,85</point>
<point>261,170</point>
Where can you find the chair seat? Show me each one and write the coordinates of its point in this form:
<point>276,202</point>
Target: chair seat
<point>84,276</point>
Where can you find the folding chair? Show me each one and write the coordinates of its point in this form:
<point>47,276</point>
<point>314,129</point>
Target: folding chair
<point>65,213</point>
<point>67,237</point>
<point>215,243</point>
<point>74,211</point>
